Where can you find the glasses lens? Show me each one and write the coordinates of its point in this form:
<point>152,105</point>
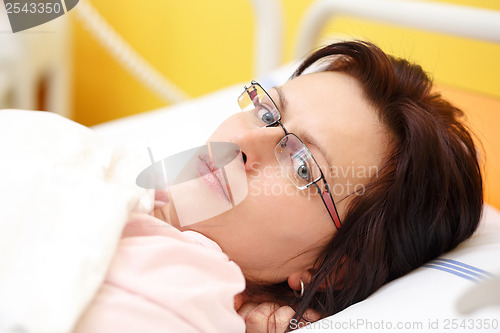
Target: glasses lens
<point>259,106</point>
<point>296,161</point>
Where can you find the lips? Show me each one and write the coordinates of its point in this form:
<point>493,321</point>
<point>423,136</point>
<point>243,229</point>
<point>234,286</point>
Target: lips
<point>213,179</point>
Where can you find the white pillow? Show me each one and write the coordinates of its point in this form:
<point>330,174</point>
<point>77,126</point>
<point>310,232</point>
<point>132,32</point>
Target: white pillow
<point>427,299</point>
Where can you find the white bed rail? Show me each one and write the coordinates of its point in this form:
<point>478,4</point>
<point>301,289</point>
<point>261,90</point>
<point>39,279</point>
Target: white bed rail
<point>457,20</point>
<point>268,36</point>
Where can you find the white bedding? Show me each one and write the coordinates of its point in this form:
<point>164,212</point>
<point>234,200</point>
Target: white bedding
<point>65,195</point>
<point>163,280</point>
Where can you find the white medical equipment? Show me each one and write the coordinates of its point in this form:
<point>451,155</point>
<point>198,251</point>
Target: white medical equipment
<point>35,66</point>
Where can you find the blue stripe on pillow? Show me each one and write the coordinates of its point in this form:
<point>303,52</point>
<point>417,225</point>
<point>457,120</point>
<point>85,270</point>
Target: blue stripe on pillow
<point>469,267</point>
<point>458,268</point>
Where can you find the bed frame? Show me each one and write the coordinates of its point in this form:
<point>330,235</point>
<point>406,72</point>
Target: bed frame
<point>475,23</point>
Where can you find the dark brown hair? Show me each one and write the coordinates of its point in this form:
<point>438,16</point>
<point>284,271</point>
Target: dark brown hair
<point>426,198</point>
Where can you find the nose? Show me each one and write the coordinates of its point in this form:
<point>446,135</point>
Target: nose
<point>257,144</point>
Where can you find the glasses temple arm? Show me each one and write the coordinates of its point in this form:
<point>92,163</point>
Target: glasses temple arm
<point>326,196</point>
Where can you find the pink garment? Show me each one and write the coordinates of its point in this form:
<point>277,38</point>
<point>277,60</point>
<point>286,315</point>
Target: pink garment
<point>164,280</point>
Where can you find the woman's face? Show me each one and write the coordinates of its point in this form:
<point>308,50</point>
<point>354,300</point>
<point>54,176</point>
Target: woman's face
<point>279,230</point>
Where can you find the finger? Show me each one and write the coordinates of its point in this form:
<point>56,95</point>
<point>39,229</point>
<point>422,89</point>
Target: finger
<point>311,315</point>
<point>280,319</point>
<point>246,308</point>
<point>162,196</point>
<point>257,319</point>
<point>162,212</point>
<point>158,213</point>
<point>239,300</point>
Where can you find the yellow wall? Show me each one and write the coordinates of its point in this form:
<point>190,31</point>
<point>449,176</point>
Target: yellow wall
<point>483,115</point>
<point>200,45</point>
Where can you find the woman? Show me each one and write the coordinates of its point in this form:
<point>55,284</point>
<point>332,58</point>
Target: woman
<point>400,166</point>
<point>357,174</point>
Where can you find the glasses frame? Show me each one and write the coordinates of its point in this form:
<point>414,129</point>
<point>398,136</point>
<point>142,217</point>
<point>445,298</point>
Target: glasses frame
<point>326,196</point>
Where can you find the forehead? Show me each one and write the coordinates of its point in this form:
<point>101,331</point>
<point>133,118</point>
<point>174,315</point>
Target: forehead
<point>332,107</point>
<point>328,95</point>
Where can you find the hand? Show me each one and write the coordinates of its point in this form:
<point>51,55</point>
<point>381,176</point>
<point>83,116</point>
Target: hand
<point>270,317</point>
<point>162,206</point>
<point>162,212</point>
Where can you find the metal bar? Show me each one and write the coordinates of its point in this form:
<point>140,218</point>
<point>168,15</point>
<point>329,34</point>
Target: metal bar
<point>444,18</point>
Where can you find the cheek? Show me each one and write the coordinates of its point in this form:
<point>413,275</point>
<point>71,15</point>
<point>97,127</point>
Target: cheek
<point>272,191</point>
<point>268,186</point>
<point>278,228</point>
<point>287,208</point>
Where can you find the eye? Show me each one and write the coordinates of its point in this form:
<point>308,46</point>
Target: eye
<point>303,172</point>
<point>266,114</point>
<point>301,168</point>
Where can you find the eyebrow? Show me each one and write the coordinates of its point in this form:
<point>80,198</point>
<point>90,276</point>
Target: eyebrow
<point>305,135</point>
<point>282,101</point>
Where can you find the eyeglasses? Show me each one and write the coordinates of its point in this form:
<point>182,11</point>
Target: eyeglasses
<point>292,154</point>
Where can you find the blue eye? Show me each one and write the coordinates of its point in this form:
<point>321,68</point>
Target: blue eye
<point>303,172</point>
<point>268,118</point>
<point>266,115</point>
<point>301,168</point>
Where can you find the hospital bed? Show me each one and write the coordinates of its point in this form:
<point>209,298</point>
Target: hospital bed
<point>437,296</point>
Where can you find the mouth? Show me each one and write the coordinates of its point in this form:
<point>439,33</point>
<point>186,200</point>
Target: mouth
<point>213,178</point>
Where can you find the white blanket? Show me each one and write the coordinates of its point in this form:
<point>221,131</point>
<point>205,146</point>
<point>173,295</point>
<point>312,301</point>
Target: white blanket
<point>65,196</point>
